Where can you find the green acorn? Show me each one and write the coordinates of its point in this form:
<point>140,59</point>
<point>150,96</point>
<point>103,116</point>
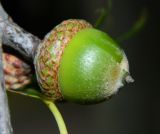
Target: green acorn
<point>79,63</point>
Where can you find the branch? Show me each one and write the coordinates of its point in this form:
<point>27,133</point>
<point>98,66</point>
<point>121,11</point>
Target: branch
<point>16,37</point>
<point>5,124</point>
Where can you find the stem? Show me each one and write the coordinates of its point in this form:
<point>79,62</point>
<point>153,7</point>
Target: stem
<point>16,37</point>
<point>26,43</point>
<point>20,40</point>
<point>57,115</point>
<point>136,28</point>
<point>5,123</point>
<point>104,12</point>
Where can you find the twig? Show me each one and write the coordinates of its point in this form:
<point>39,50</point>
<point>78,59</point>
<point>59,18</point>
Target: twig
<point>5,124</point>
<point>16,37</point>
<point>26,43</point>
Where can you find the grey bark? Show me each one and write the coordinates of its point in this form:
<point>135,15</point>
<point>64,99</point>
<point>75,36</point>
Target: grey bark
<point>16,37</point>
<point>5,123</point>
<point>12,35</point>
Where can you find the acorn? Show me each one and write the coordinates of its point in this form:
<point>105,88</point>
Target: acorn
<point>17,73</point>
<point>78,63</point>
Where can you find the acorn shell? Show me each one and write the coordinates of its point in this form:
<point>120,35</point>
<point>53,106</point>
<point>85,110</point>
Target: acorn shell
<point>49,53</point>
<point>92,68</point>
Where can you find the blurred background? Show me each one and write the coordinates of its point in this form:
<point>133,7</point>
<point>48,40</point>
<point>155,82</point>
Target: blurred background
<point>135,109</point>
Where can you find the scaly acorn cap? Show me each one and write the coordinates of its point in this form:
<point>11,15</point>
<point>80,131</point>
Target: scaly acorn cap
<point>17,73</point>
<point>49,53</point>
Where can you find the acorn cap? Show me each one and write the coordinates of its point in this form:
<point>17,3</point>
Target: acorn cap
<point>49,53</point>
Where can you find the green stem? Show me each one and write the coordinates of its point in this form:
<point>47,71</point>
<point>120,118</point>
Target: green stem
<point>57,115</point>
<point>136,28</point>
<point>104,12</point>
